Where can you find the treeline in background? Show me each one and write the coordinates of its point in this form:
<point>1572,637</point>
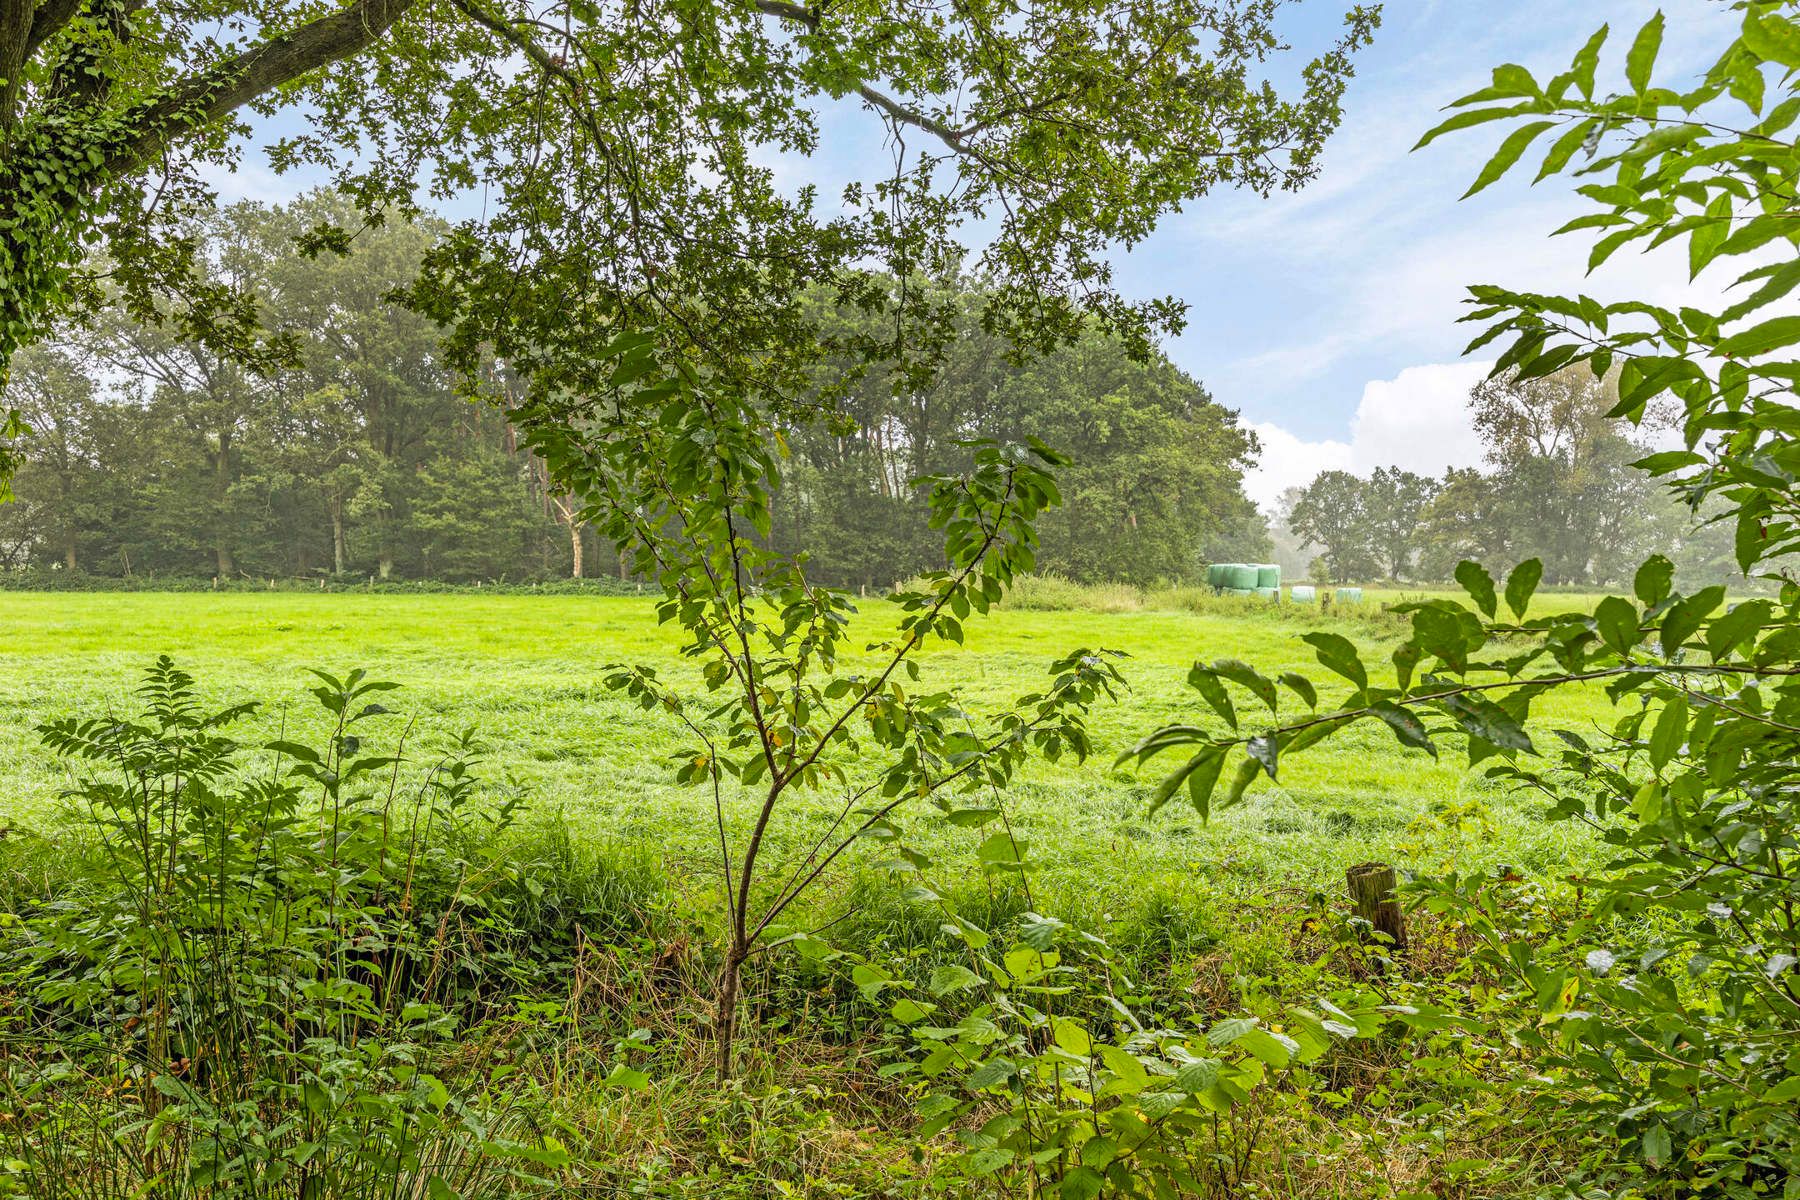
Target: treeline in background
<point>1557,484</point>
<point>344,449</point>
<point>348,451</point>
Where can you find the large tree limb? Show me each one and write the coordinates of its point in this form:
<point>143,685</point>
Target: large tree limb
<point>221,90</point>
<point>881,100</point>
<point>49,16</point>
<point>15,36</point>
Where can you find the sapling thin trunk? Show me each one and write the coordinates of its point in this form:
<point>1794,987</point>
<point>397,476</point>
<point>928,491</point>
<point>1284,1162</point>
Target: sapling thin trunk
<point>679,478</point>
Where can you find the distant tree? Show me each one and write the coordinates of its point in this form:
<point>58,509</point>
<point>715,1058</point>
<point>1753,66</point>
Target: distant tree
<point>1247,537</point>
<point>1395,501</point>
<point>54,390</point>
<point>1468,518</point>
<point>1157,473</point>
<point>1332,513</point>
<point>1559,484</point>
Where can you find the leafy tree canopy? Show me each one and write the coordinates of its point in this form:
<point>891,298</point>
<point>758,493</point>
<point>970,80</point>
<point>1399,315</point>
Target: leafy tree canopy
<point>624,150</point>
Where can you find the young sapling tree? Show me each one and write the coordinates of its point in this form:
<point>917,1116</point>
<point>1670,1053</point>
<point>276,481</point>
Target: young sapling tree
<point>680,478</point>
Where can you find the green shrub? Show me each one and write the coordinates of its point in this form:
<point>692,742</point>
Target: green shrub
<point>263,982</point>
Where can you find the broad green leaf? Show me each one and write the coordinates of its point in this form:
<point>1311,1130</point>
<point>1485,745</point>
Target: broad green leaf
<point>1246,775</point>
<point>1337,653</point>
<point>1616,620</point>
<point>1263,748</point>
<point>908,1011</point>
<point>1205,761</point>
<point>1202,781</point>
<point>1001,850</point>
<point>972,817</point>
<point>1758,340</point>
<point>1743,622</point>
<point>1478,583</point>
<point>1275,1049</point>
<point>1586,60</point>
<point>1669,732</point>
<point>1564,148</point>
<point>1772,38</point>
<point>1205,680</point>
<point>1521,584</point>
<point>1653,580</point>
<point>1072,1036</point>
<point>1471,117</point>
<point>1227,1031</point>
<point>1515,145</point>
<point>1481,718</point>
<point>629,1078</point>
<point>1685,618</point>
<point>1406,726</point>
<point>1640,60</point>
<point>1302,687</point>
<point>1246,676</point>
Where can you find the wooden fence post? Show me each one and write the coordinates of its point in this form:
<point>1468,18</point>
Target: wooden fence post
<point>1372,892</point>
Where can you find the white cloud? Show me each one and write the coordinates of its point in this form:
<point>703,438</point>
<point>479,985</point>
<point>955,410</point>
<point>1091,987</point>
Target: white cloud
<point>1287,462</point>
<point>1418,420</point>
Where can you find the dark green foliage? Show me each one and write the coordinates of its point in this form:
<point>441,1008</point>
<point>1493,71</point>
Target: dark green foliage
<point>258,982</point>
<point>623,151</point>
<point>1155,478</point>
<point>350,453</point>
<point>358,457</point>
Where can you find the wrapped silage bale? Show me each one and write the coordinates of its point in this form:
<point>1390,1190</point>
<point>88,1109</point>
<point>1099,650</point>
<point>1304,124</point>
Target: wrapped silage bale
<point>1303,593</point>
<point>1239,591</point>
<point>1269,593</point>
<point>1215,575</point>
<point>1268,575</point>
<point>1242,576</point>
<point>1350,595</point>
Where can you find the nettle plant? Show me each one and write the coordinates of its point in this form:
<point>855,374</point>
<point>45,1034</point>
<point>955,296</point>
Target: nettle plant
<point>1665,1007</point>
<point>679,476</point>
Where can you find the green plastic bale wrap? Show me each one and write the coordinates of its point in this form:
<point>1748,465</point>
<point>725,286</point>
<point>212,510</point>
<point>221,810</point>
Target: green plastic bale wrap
<point>1269,593</point>
<point>1303,593</point>
<point>1268,575</point>
<point>1239,576</point>
<point>1237,591</point>
<point>1215,575</point>
<point>1349,595</point>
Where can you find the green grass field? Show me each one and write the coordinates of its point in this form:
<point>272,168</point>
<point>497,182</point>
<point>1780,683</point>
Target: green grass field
<point>1205,918</point>
<point>526,673</point>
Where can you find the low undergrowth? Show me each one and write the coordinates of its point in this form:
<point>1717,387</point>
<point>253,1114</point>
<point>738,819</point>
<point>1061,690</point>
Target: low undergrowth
<point>344,969</point>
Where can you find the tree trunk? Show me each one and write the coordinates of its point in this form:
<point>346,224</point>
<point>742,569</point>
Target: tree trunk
<point>69,555</point>
<point>222,501</point>
<point>725,1018</point>
<point>1372,892</point>
<point>337,538</point>
<point>575,550</point>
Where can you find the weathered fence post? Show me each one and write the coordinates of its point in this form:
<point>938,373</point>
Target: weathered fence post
<point>1372,892</point>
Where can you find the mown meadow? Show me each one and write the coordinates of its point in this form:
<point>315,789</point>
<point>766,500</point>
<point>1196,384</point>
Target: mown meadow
<point>525,673</point>
<point>587,955</point>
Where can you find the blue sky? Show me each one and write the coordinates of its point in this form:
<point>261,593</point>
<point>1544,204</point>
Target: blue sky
<point>1328,317</point>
